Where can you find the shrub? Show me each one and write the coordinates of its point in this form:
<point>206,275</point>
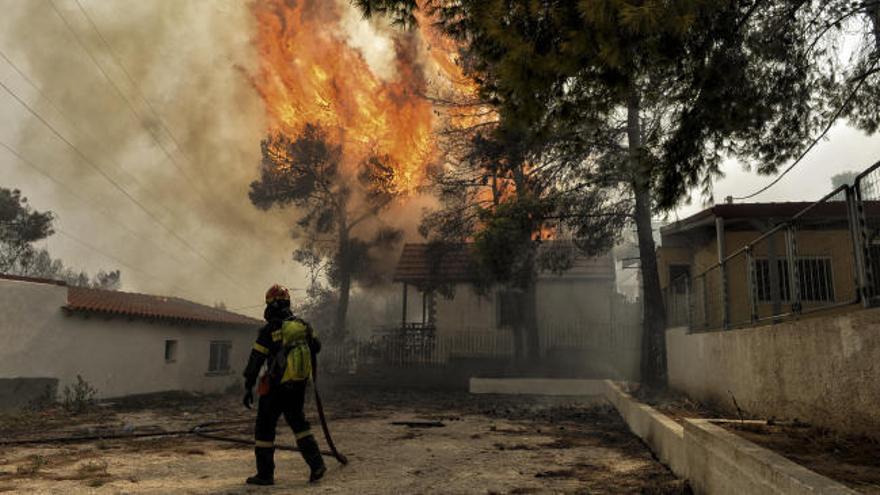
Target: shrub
<point>79,397</point>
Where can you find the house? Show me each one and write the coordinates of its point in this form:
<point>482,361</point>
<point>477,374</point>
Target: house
<point>120,343</point>
<point>756,281</point>
<point>578,309</point>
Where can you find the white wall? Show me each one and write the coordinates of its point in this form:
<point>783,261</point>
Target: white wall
<point>117,355</point>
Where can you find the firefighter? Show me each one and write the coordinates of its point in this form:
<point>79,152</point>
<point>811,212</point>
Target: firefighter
<point>284,344</point>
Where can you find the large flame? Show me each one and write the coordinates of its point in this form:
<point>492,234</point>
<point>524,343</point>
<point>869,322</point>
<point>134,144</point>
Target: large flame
<point>309,73</point>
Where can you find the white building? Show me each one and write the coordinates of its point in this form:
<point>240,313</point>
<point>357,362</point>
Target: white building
<point>121,343</point>
<point>580,315</point>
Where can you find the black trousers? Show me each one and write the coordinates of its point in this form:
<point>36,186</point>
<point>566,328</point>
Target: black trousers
<point>286,399</point>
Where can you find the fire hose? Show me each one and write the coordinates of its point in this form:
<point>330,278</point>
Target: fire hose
<point>320,407</point>
<point>207,430</point>
<point>204,430</point>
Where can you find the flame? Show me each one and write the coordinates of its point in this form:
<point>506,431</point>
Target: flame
<point>309,73</point>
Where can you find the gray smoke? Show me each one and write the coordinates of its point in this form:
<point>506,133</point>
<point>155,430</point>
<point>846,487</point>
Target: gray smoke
<point>190,61</point>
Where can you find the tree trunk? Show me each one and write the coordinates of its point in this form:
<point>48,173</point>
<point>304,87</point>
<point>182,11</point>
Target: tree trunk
<point>339,322</point>
<point>530,320</point>
<point>653,359</point>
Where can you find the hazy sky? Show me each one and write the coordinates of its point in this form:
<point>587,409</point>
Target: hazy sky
<point>183,142</point>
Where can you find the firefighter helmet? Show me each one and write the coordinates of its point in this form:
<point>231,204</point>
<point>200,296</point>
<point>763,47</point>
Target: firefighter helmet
<point>277,293</point>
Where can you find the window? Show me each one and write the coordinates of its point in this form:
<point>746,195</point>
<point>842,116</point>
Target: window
<point>170,351</point>
<point>219,362</point>
<point>679,278</point>
<point>508,304</point>
<point>814,276</point>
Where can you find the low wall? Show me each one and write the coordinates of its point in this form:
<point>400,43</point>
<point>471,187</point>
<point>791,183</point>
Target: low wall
<point>723,463</point>
<point>17,393</point>
<point>663,435</point>
<point>821,370</point>
<point>538,386</point>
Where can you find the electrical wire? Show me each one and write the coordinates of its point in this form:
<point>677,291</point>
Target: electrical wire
<point>88,203</point>
<point>119,91</point>
<point>830,124</point>
<point>203,430</point>
<point>131,80</point>
<point>154,113</point>
<point>117,186</point>
<point>82,130</point>
<point>105,253</point>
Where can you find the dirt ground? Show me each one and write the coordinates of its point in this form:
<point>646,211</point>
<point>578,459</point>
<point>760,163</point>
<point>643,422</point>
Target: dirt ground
<point>487,444</point>
<point>853,461</point>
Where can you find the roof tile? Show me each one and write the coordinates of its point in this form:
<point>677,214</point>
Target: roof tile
<point>81,299</point>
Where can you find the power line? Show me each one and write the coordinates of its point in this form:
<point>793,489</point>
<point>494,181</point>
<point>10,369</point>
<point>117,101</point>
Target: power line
<point>137,90</point>
<point>105,253</point>
<point>831,123</point>
<point>116,185</point>
<point>86,202</point>
<point>69,121</point>
<point>131,80</point>
<point>119,92</point>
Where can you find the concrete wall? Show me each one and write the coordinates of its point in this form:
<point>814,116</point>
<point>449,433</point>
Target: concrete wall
<point>822,370</point>
<point>118,356</point>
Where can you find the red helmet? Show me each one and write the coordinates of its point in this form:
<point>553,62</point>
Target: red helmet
<point>277,293</point>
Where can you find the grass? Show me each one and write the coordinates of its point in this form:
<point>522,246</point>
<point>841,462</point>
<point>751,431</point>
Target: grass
<point>90,469</point>
<point>34,466</point>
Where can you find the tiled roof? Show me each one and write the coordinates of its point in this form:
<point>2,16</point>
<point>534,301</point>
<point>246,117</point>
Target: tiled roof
<point>443,264</point>
<point>80,299</point>
<point>36,280</point>
<point>455,264</point>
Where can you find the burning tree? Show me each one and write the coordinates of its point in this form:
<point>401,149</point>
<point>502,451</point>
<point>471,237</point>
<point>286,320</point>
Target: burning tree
<point>307,172</point>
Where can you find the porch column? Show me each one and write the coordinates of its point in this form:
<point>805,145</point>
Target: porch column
<point>403,315</point>
<point>424,307</point>
<point>725,302</point>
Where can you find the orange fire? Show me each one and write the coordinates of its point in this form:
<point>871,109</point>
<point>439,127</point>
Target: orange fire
<point>309,73</point>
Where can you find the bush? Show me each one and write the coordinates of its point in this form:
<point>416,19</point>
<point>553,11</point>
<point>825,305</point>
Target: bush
<point>79,397</point>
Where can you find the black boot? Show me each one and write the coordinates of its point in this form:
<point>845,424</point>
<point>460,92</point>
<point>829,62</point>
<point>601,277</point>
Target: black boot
<point>265,467</point>
<point>308,447</point>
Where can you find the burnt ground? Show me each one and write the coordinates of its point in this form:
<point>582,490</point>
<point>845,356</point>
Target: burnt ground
<point>487,444</point>
<point>851,460</point>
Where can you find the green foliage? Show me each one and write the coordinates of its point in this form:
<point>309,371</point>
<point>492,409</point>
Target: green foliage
<point>504,245</point>
<point>20,227</point>
<point>79,397</point>
<point>336,243</point>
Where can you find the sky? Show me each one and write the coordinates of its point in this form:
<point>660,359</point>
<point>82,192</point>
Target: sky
<point>164,130</point>
<point>844,149</point>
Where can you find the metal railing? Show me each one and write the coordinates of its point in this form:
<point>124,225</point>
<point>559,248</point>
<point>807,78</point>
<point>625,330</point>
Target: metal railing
<point>418,345</point>
<point>825,256</point>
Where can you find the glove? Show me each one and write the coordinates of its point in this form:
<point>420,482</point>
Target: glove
<point>248,400</point>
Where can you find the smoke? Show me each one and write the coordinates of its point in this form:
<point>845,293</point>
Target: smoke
<point>161,97</point>
<point>187,156</point>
